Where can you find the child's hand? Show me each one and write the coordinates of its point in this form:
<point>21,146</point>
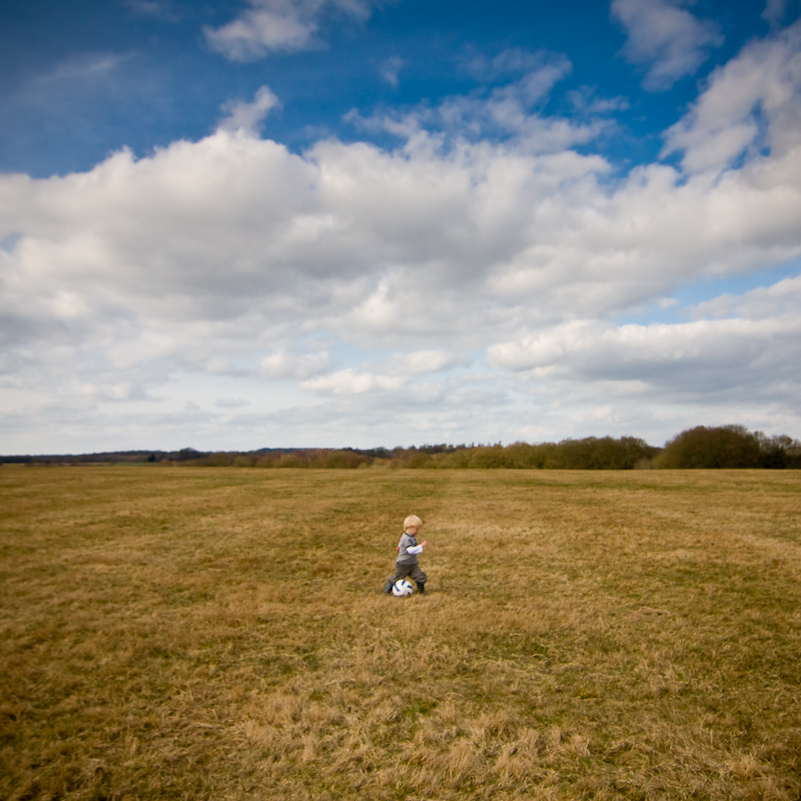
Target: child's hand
<point>424,543</point>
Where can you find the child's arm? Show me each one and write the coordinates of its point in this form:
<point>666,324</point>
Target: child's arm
<point>417,548</point>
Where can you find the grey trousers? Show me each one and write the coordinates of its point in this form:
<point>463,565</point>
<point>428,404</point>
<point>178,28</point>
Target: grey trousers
<point>413,570</point>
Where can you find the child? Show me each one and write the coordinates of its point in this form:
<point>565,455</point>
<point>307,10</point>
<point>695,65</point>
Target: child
<point>407,556</point>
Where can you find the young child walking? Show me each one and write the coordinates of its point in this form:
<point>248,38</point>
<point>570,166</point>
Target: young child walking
<point>407,556</point>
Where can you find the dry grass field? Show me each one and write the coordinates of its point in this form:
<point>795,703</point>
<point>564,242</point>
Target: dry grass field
<point>187,633</point>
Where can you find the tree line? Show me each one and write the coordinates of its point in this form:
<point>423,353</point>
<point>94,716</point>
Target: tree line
<point>700,447</point>
<point>721,447</point>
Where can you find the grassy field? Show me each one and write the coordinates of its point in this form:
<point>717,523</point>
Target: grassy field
<point>185,633</point>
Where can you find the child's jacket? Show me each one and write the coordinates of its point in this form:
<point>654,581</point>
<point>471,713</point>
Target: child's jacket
<point>408,549</point>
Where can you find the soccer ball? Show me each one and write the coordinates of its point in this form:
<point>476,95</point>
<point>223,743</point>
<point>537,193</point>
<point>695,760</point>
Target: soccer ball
<point>402,587</point>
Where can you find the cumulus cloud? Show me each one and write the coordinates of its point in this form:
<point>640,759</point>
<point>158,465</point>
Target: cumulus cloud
<point>288,364</point>
<point>460,277</point>
<point>247,117</point>
<point>354,382</point>
<point>753,102</point>
<point>718,354</point>
<point>781,300</point>
<point>270,26</point>
<point>425,361</point>
<point>666,38</point>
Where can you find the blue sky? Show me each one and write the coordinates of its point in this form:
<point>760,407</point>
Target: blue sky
<point>338,222</point>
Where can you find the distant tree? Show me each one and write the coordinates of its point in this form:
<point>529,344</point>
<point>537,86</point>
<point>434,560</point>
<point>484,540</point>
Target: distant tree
<point>185,454</point>
<point>459,458</point>
<point>592,453</point>
<point>342,459</point>
<point>294,459</point>
<point>779,451</point>
<point>720,447</point>
<point>522,455</point>
<point>378,453</point>
<point>489,456</point>
<point>220,459</point>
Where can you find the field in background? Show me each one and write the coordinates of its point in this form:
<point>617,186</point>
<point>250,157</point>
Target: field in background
<point>191,633</point>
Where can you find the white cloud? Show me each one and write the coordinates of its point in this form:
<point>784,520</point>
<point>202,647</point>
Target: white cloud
<point>713,353</point>
<point>658,379</point>
<point>325,288</point>
<point>390,68</point>
<point>425,361</point>
<point>752,102</point>
<point>286,364</point>
<point>501,111</point>
<point>774,11</point>
<point>247,117</point>
<point>666,38</point>
<point>513,61</point>
<point>586,101</point>
<point>781,300</point>
<point>89,67</point>
<point>231,403</point>
<point>238,231</point>
<point>270,26</point>
<point>353,382</point>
